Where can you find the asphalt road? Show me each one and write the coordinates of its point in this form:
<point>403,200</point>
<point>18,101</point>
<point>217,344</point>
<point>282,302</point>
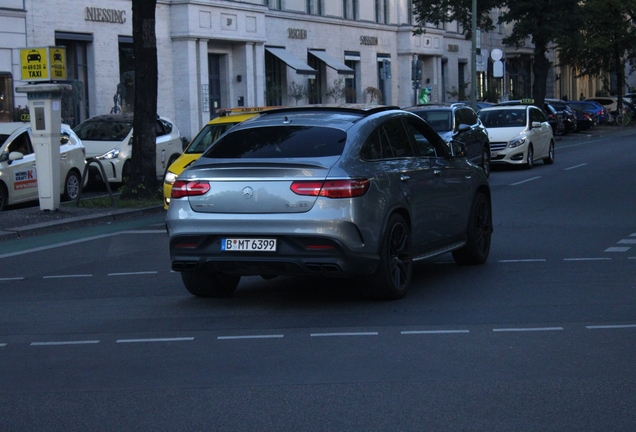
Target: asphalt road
<point>96,332</point>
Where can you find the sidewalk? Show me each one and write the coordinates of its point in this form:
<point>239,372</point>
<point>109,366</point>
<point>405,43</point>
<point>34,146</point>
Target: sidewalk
<point>29,221</point>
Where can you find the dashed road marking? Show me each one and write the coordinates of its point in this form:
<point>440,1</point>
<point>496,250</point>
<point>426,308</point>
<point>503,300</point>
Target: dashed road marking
<point>526,329</point>
<point>417,332</point>
<point>83,342</point>
<point>587,259</point>
<point>618,249</point>
<point>132,273</point>
<point>627,241</point>
<point>525,181</point>
<point>523,260</point>
<point>67,276</point>
<point>271,336</point>
<point>575,167</point>
<point>344,334</point>
<point>12,278</point>
<point>180,339</point>
<point>619,326</point>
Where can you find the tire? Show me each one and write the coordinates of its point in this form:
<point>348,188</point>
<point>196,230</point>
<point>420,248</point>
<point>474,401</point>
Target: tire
<point>550,158</point>
<point>125,171</point>
<point>392,278</point>
<point>4,197</point>
<point>478,233</point>
<point>485,161</point>
<point>530,158</point>
<point>71,186</point>
<point>208,284</point>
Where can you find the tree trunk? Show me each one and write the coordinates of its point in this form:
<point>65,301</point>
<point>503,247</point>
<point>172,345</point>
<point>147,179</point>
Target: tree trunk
<point>142,182</point>
<point>540,67</point>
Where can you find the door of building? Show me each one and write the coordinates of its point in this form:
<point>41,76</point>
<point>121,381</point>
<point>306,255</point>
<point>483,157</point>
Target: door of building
<point>214,76</point>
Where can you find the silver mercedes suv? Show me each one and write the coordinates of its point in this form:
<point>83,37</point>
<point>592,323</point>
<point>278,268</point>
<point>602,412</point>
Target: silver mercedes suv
<point>349,191</point>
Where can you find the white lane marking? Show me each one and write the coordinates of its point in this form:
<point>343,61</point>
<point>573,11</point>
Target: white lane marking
<point>11,278</point>
<point>525,181</point>
<point>526,329</point>
<point>344,334</point>
<point>617,249</point>
<point>67,276</point>
<point>575,166</point>
<point>632,257</point>
<point>82,240</point>
<point>272,336</point>
<point>155,340</point>
<point>413,332</point>
<point>3,344</point>
<point>627,241</point>
<point>132,273</point>
<point>587,259</point>
<point>522,260</point>
<point>633,235</point>
<point>84,342</point>
<point>611,326</point>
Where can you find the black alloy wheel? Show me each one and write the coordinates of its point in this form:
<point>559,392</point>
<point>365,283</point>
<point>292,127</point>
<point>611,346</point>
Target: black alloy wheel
<point>478,233</point>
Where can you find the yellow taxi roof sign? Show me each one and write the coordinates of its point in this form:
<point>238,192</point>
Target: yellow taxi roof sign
<point>43,63</point>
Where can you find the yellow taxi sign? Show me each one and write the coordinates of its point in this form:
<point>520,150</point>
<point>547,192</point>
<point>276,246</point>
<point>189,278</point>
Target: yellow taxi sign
<point>43,63</point>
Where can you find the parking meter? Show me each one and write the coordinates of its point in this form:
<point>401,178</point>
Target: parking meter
<point>45,104</point>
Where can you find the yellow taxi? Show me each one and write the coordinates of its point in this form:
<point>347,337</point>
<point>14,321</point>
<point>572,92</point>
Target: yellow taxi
<point>214,129</point>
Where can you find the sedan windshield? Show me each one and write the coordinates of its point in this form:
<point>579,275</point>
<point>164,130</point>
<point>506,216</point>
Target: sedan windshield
<point>278,142</point>
<point>503,118</point>
<point>103,130</point>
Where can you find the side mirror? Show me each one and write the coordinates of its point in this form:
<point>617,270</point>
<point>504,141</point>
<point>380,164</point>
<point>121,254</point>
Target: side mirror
<point>14,155</point>
<point>535,124</point>
<point>463,127</point>
<point>458,149</point>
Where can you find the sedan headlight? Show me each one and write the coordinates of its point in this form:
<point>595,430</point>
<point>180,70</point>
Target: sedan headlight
<point>170,177</point>
<point>517,142</point>
<point>111,154</point>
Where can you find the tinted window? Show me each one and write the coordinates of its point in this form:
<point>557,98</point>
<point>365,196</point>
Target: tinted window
<point>424,147</point>
<point>3,138</point>
<point>277,142</point>
<point>377,146</point>
<point>103,130</point>
<point>399,139</point>
<point>207,136</point>
<point>503,118</point>
<point>537,115</point>
<point>466,116</point>
<point>22,144</point>
<point>440,121</point>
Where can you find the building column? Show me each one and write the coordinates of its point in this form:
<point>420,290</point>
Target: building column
<point>187,86</point>
<point>257,94</point>
<point>203,90</point>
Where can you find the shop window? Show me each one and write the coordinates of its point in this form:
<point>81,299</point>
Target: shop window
<point>351,82</point>
<point>315,85</point>
<point>124,98</point>
<point>6,97</point>
<point>274,72</point>
<point>75,103</point>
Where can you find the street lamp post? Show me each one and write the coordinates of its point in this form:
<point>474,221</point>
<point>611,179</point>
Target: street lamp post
<point>473,57</point>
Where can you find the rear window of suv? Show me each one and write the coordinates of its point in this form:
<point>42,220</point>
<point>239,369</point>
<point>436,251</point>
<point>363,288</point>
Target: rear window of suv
<point>276,142</point>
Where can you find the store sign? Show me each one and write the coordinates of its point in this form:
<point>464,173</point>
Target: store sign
<point>368,40</point>
<point>453,48</point>
<point>294,33</point>
<point>43,63</point>
<point>105,15</point>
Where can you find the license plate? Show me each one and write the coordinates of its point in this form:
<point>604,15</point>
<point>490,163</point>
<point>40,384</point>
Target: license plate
<point>248,245</point>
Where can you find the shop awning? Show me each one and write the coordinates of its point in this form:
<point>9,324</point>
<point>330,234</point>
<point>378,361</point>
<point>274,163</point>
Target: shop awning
<point>332,62</point>
<point>292,61</point>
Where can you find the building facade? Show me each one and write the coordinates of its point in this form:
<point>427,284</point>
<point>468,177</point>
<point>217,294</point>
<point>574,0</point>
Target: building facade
<point>215,54</point>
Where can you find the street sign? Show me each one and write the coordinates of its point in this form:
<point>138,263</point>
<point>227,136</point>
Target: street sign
<point>39,64</point>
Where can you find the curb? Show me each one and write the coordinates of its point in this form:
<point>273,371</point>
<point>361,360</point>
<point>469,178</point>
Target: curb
<point>77,222</point>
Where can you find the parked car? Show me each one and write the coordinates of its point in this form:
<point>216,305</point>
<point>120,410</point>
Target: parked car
<point>555,119</point>
<point>570,121</point>
<point>609,103</point>
<point>458,122</point>
<point>108,138</point>
<point>591,107</point>
<point>348,191</point>
<point>519,135</point>
<point>18,171</point>
<point>206,136</point>
<point>585,120</point>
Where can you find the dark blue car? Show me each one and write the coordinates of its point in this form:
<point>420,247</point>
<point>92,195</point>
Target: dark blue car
<point>592,108</point>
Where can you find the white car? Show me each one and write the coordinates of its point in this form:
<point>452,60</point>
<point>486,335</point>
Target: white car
<point>108,138</point>
<point>518,134</point>
<point>18,173</point>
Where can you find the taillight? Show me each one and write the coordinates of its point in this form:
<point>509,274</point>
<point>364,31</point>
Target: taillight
<point>332,188</point>
<point>182,188</point>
